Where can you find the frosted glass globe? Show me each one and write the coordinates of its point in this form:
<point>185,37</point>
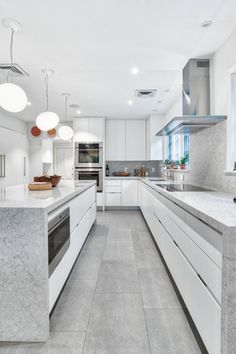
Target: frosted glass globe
<point>65,132</point>
<point>12,97</point>
<point>47,120</point>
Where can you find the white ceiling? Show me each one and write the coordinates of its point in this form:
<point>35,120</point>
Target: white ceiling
<point>92,45</point>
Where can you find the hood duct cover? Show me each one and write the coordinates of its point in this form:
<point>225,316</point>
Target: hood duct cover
<point>196,101</point>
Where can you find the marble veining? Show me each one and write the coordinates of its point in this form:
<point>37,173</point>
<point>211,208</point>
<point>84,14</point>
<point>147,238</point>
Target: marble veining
<point>23,275</point>
<point>20,197</point>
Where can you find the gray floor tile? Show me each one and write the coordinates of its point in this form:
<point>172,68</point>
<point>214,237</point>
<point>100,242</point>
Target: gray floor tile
<point>120,235</point>
<point>86,267</point>
<point>118,277</point>
<point>157,290</point>
<point>118,250</point>
<point>73,309</point>
<point>169,332</point>
<point>94,245</point>
<point>59,343</point>
<point>147,257</point>
<point>117,325</point>
<point>8,347</point>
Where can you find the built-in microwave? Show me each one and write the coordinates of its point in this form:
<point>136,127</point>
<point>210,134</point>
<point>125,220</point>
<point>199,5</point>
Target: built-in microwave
<point>90,174</point>
<point>88,155</point>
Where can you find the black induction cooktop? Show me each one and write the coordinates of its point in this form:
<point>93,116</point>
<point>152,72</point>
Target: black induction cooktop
<point>172,187</point>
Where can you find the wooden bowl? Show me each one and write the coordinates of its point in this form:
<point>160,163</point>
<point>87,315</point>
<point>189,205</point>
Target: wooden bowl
<point>52,179</point>
<point>55,180</point>
<point>121,174</point>
<point>40,186</point>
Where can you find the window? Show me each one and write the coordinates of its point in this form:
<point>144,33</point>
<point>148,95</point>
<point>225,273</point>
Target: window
<point>170,147</point>
<point>178,146</point>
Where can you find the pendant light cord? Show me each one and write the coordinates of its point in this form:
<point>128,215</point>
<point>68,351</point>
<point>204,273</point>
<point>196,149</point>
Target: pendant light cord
<point>66,100</point>
<point>11,53</point>
<point>46,84</point>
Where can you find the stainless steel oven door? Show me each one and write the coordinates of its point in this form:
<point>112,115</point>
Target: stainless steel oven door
<point>58,238</point>
<point>92,174</point>
<point>88,155</point>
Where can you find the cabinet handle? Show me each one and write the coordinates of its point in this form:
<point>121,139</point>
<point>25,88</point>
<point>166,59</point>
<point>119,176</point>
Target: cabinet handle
<point>24,162</point>
<point>176,244</point>
<point>4,165</point>
<point>0,166</point>
<point>199,276</point>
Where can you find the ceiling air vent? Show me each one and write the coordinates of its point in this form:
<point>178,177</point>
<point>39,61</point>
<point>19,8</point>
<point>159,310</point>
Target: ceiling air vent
<point>145,93</point>
<point>14,69</point>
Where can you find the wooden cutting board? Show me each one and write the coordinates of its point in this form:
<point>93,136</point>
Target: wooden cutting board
<point>40,186</point>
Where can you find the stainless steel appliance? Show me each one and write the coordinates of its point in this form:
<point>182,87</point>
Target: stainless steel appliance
<point>88,155</point>
<point>196,101</point>
<point>58,238</point>
<point>91,174</point>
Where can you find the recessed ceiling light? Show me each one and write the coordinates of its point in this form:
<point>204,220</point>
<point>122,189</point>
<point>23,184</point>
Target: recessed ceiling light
<point>130,102</point>
<point>78,111</point>
<point>134,70</point>
<point>206,23</point>
<point>29,103</point>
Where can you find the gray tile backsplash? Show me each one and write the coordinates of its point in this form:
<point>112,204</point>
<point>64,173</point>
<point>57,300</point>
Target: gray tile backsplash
<point>154,167</point>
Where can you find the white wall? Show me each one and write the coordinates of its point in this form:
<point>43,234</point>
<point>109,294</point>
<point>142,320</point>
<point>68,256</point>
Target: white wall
<point>208,148</point>
<point>12,123</point>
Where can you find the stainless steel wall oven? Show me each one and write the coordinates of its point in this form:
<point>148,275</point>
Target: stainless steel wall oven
<point>88,155</point>
<point>83,174</point>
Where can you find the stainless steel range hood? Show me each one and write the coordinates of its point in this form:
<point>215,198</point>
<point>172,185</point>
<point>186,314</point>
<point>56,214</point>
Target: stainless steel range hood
<point>196,101</point>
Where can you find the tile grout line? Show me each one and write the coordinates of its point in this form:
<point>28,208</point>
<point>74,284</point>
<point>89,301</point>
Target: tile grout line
<point>93,301</point>
<point>141,295</point>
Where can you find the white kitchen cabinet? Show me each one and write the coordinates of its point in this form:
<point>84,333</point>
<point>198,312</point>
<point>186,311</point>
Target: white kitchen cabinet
<point>129,192</point>
<point>88,129</point>
<point>121,193</point>
<point>155,144</point>
<point>115,140</point>
<point>195,265</point>
<point>135,140</point>
<point>112,194</point>
<point>14,161</point>
<point>47,150</point>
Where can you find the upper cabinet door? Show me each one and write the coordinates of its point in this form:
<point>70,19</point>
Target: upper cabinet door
<point>88,129</point>
<point>115,140</point>
<point>95,129</point>
<point>81,126</point>
<point>136,140</point>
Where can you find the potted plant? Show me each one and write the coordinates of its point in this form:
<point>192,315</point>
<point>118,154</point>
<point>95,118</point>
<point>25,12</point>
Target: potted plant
<point>176,165</point>
<point>183,161</point>
<point>167,164</point>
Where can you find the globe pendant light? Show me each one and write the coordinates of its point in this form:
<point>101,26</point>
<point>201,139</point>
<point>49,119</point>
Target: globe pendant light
<point>65,132</point>
<point>12,97</point>
<point>47,120</point>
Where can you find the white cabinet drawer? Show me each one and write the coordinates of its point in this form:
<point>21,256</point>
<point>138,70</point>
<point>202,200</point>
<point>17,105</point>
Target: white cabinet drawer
<point>113,182</point>
<point>112,189</point>
<point>80,205</point>
<point>203,308</point>
<point>129,192</point>
<point>112,199</point>
<point>77,238</point>
<point>203,265</point>
<point>207,238</point>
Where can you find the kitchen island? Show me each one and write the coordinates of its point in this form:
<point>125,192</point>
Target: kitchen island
<point>27,292</point>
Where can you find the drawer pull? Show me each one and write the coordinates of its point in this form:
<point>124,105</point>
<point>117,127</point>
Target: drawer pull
<point>176,244</point>
<point>199,276</point>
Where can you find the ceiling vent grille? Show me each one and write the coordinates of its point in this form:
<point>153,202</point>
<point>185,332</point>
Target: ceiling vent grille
<point>14,69</point>
<point>145,93</point>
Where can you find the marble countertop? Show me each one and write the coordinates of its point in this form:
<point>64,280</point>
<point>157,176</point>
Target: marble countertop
<point>214,208</point>
<point>20,197</point>
<point>136,177</point>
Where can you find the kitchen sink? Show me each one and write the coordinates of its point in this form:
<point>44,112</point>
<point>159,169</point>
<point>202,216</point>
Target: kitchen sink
<point>181,187</point>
